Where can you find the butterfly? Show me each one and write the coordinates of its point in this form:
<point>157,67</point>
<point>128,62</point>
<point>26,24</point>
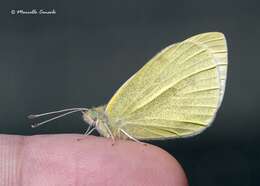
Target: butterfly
<point>175,94</point>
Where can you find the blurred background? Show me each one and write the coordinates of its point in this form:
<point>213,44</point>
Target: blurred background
<point>81,55</point>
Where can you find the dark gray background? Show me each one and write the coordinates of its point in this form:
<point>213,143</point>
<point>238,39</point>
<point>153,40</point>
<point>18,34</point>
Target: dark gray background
<point>81,55</point>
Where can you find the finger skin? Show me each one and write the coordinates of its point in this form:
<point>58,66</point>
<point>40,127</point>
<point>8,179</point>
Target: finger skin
<point>55,160</point>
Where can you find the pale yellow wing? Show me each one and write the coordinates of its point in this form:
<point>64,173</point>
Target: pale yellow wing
<point>177,93</point>
<point>216,44</point>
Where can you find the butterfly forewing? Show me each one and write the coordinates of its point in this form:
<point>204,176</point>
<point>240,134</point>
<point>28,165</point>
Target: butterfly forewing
<point>177,93</point>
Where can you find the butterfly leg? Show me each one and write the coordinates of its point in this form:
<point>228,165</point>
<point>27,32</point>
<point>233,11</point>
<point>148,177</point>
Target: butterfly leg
<point>110,133</point>
<point>131,137</point>
<point>89,126</point>
<point>87,133</point>
<point>90,131</point>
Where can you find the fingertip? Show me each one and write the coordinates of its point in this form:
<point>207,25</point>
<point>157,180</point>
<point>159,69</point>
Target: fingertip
<point>133,163</point>
<point>154,165</point>
<point>65,160</point>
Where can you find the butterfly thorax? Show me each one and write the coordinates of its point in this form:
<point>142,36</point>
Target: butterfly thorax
<point>96,117</point>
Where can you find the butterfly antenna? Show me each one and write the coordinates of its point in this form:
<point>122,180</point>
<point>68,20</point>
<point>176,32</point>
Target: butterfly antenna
<point>68,112</point>
<point>33,116</point>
